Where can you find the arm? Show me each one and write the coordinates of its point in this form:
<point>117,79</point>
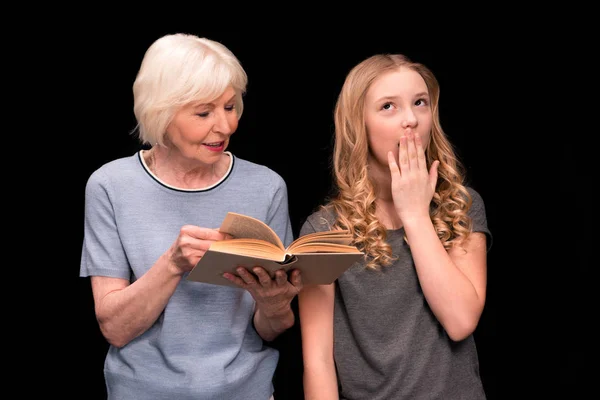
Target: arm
<point>273,314</point>
<point>273,297</point>
<point>453,282</point>
<point>269,326</point>
<point>315,304</point>
<point>125,311</point>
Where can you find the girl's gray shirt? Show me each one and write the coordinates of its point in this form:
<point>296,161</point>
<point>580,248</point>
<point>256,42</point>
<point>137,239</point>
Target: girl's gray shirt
<point>387,342</point>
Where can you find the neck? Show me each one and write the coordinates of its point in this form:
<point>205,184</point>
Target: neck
<point>387,215</point>
<point>382,183</point>
<point>182,175</point>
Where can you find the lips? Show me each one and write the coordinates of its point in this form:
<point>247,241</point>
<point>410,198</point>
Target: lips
<point>215,146</point>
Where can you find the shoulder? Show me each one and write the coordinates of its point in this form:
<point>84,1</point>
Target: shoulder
<point>247,165</point>
<point>477,202</point>
<point>320,220</point>
<point>258,172</point>
<point>474,194</point>
<point>115,168</point>
<point>113,174</point>
<point>478,215</point>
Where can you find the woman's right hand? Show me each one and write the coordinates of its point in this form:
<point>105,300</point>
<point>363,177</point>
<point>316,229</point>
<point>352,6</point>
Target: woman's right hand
<point>190,246</point>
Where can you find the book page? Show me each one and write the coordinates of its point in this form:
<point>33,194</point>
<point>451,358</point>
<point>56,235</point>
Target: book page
<point>340,237</point>
<point>244,226</point>
<point>316,247</point>
<point>249,248</point>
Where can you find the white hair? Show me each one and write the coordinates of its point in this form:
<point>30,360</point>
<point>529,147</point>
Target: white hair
<point>177,70</point>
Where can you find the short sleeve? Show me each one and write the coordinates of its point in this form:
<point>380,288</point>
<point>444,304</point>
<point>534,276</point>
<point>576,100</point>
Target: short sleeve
<point>278,217</point>
<point>102,252</point>
<point>478,216</point>
<point>319,221</point>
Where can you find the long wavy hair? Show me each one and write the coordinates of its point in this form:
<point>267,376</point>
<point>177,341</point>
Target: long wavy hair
<point>353,201</point>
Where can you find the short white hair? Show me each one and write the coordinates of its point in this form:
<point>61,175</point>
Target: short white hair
<point>177,70</point>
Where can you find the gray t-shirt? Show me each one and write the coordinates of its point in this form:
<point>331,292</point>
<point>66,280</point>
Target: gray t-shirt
<point>387,342</point>
<point>203,345</point>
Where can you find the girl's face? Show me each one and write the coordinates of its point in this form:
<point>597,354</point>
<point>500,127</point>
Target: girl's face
<point>396,104</point>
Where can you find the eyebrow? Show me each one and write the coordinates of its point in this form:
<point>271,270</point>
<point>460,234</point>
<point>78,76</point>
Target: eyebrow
<point>232,97</point>
<point>420,94</point>
<point>211,104</point>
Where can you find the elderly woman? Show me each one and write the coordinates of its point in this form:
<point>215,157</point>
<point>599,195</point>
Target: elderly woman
<point>151,216</point>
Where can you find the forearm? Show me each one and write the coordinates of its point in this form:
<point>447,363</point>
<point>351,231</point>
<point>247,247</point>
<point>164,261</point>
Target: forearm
<point>450,294</point>
<point>320,382</point>
<point>271,326</point>
<point>316,307</point>
<point>126,313</point>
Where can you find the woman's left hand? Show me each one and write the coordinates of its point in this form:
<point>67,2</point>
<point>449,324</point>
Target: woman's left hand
<point>273,296</point>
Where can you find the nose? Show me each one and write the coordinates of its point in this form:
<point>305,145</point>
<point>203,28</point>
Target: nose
<point>222,124</point>
<point>409,119</point>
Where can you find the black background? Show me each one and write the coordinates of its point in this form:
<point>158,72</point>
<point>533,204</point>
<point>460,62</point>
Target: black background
<point>534,334</point>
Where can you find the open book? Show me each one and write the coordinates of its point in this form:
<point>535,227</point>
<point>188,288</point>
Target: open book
<point>321,257</point>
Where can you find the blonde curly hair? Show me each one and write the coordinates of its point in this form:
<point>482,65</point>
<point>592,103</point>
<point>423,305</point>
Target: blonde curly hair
<point>354,201</point>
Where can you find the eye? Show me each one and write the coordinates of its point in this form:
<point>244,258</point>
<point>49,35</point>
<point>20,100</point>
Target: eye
<point>230,107</point>
<point>422,102</point>
<point>387,106</point>
<point>203,114</point>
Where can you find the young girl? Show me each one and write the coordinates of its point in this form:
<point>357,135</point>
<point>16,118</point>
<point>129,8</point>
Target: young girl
<point>398,325</point>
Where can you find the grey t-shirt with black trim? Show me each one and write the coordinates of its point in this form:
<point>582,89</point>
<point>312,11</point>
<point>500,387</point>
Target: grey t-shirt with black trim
<point>203,345</point>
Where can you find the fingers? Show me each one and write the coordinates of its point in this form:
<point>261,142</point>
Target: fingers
<point>433,174</point>
<point>211,234</point>
<point>235,279</point>
<point>263,277</point>
<point>403,155</point>
<point>200,233</point>
<point>296,279</point>
<point>258,276</point>
<point>281,277</point>
<point>421,161</point>
<point>226,236</point>
<point>411,154</point>
<point>247,277</point>
<point>394,170</point>
<point>411,151</point>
